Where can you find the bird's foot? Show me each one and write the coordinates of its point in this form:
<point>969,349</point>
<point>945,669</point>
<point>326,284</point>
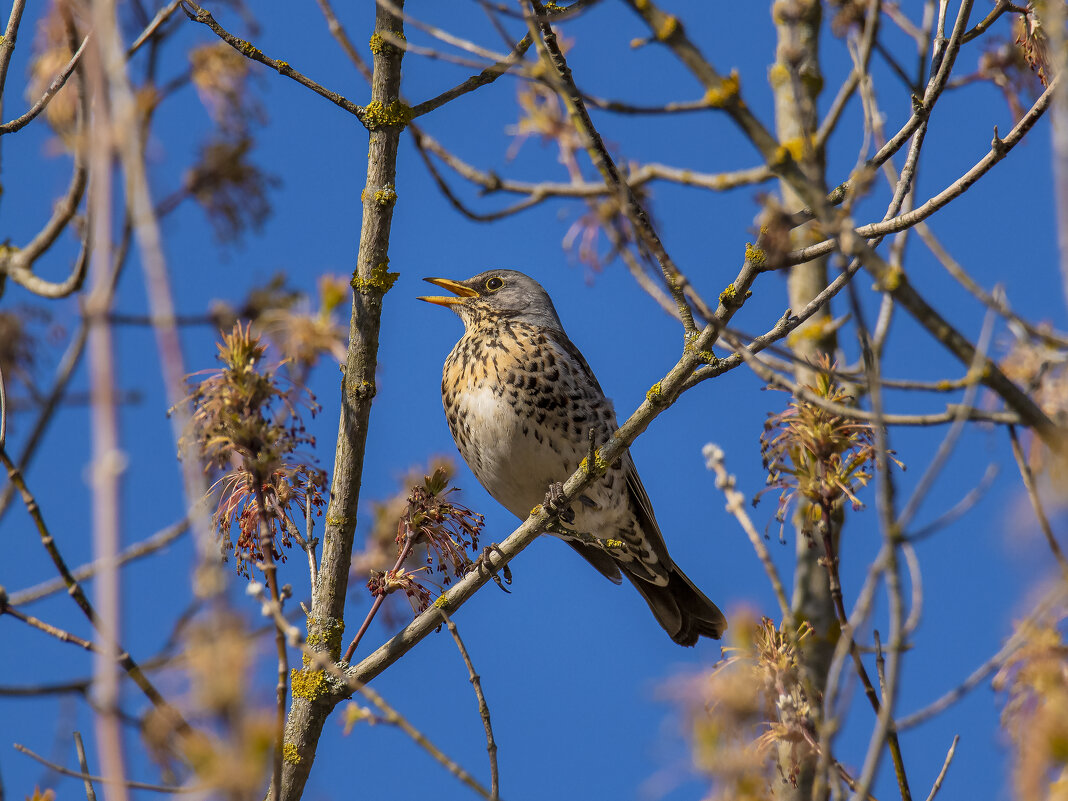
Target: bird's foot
<point>486,569</point>
<point>609,545</point>
<point>555,503</point>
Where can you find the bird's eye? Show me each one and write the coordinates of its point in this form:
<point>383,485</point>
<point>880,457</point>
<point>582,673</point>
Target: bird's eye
<point>494,284</point>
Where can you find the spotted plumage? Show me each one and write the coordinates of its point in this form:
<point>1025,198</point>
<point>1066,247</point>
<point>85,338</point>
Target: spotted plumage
<point>520,400</point>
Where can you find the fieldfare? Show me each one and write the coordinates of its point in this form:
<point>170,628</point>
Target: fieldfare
<point>520,401</point>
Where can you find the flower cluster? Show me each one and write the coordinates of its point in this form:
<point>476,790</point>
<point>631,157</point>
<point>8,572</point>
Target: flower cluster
<point>302,335</point>
<point>1035,681</point>
<point>229,750</point>
<point>229,187</point>
<point>750,717</point>
<point>815,454</point>
<point>244,424</point>
<point>441,529</point>
<point>220,75</point>
<point>53,47</point>
<point>1041,368</point>
<point>232,190</point>
<point>378,552</point>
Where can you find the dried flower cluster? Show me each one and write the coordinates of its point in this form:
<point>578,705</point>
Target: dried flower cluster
<point>444,531</point>
<point>52,49</point>
<point>814,454</point>
<point>19,342</point>
<point>244,424</point>
<point>1032,41</point>
<point>544,116</point>
<point>1035,682</point>
<point>221,75</point>
<point>1018,67</point>
<point>1041,367</point>
<point>229,187</point>
<point>848,15</point>
<point>302,335</point>
<point>273,296</point>
<point>750,718</point>
<point>379,549</point>
<point>230,751</point>
<point>224,181</point>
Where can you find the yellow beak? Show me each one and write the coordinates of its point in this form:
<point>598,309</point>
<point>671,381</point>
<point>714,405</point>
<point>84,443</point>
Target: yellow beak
<point>453,286</point>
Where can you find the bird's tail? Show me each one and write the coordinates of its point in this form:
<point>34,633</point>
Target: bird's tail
<point>681,608</point>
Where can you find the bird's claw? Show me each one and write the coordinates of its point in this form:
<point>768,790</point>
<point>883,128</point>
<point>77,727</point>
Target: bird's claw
<point>555,503</point>
<point>485,568</point>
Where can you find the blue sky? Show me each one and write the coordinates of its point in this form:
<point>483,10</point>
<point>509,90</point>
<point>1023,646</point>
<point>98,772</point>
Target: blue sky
<point>574,669</point>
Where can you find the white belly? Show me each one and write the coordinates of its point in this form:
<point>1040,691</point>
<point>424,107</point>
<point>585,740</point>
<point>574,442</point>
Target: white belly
<point>515,463</point>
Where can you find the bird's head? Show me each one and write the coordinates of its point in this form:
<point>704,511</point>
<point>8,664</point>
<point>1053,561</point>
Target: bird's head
<point>497,295</point>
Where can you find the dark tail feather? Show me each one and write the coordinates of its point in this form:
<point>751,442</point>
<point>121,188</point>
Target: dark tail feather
<point>681,608</point>
<point>605,564</point>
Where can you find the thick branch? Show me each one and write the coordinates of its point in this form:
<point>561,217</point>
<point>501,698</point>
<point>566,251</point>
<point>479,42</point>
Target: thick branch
<point>370,281</point>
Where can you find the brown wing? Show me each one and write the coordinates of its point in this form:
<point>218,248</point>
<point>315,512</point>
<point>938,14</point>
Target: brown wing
<point>682,610</point>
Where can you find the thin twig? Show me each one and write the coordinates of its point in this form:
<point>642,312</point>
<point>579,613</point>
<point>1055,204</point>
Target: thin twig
<point>7,44</point>
<point>339,33</point>
<point>949,442</point>
<point>198,14</point>
<point>629,203</point>
<point>79,747</point>
<point>393,717</point>
<point>1036,502</point>
<point>322,661</point>
<point>959,509</point>
<point>132,785</point>
<point>161,17</point>
<point>945,768</point>
<point>483,707</point>
<point>52,631</point>
<point>138,550</point>
<point>78,594</point>
<point>979,675</point>
<point>487,76</point>
<point>405,550</point>
<point>270,573</point>
<point>3,408</point>
<point>725,483</point>
<point>994,300</point>
<point>53,88</point>
<point>999,149</point>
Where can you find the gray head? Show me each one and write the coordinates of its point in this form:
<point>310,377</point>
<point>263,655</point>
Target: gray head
<point>498,295</point>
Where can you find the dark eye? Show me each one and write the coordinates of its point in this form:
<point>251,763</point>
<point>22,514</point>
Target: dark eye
<point>494,284</point>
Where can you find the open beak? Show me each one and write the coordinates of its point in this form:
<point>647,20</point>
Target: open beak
<point>453,286</point>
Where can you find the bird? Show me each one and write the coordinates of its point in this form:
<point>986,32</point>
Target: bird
<point>521,401</point>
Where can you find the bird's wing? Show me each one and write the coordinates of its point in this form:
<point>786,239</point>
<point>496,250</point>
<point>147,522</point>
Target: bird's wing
<point>577,359</point>
<point>643,511</point>
<point>638,497</point>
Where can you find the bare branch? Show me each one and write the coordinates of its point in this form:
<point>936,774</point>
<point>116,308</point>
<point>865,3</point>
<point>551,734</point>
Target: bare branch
<point>945,768</point>
<point>487,76</point>
<point>725,483</point>
<point>79,747</point>
<point>132,785</point>
<point>998,150</point>
<point>483,707</point>
<point>53,88</point>
<point>198,14</point>
<point>1036,502</point>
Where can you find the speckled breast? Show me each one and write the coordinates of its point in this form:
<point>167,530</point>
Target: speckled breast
<point>520,402</point>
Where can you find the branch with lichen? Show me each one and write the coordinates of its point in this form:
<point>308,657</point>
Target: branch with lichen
<point>628,202</point>
<point>250,51</point>
<point>371,280</point>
